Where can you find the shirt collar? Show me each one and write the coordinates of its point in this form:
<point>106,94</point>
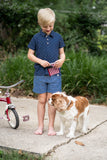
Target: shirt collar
<point>44,34</point>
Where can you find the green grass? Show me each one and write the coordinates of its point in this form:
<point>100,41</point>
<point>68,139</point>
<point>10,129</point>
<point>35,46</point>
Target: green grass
<point>17,155</point>
<point>82,74</point>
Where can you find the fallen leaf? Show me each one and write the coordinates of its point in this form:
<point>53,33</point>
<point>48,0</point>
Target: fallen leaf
<point>79,143</point>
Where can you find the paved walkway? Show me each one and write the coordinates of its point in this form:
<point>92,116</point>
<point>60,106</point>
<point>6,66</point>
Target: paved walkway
<point>55,147</point>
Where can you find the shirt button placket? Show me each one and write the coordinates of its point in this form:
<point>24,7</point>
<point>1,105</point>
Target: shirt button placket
<point>47,40</point>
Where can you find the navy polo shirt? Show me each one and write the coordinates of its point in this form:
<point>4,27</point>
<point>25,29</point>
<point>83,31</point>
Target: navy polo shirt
<point>46,47</point>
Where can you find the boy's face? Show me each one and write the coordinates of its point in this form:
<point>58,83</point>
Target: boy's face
<point>47,28</point>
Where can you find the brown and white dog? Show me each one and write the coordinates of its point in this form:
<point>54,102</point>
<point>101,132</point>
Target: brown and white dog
<point>75,110</point>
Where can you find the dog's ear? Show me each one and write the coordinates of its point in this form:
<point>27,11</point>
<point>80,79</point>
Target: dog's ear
<point>54,96</point>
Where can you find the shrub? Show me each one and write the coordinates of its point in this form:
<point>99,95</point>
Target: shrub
<point>86,75</point>
<point>82,74</point>
<point>78,23</point>
<point>15,69</point>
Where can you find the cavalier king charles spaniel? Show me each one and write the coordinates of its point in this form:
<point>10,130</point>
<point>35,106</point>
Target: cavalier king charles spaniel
<point>75,110</point>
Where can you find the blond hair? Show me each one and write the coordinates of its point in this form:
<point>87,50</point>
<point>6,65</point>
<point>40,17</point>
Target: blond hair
<point>46,16</point>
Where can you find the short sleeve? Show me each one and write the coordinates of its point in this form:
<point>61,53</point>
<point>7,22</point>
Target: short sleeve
<point>32,44</point>
<point>61,43</point>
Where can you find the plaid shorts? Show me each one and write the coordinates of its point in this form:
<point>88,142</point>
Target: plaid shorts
<point>47,84</point>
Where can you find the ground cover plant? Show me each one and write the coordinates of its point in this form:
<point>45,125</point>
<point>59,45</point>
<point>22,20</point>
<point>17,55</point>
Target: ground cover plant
<point>17,155</point>
<point>17,68</point>
<point>82,74</point>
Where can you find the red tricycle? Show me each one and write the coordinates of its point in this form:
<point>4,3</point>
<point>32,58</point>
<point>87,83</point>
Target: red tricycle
<point>10,113</point>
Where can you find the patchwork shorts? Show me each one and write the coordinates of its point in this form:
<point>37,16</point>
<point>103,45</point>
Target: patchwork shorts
<point>47,84</point>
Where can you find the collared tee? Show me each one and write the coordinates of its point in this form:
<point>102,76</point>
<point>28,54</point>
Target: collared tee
<point>46,47</point>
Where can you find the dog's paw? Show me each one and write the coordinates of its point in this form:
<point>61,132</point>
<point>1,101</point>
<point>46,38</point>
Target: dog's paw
<point>59,133</point>
<point>70,135</point>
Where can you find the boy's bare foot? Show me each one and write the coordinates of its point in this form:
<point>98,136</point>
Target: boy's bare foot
<point>51,132</point>
<point>39,131</point>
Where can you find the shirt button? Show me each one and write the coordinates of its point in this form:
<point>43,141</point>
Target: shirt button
<point>47,42</point>
<point>47,39</point>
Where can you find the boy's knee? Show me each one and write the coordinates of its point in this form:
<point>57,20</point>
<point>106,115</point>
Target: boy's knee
<point>42,100</point>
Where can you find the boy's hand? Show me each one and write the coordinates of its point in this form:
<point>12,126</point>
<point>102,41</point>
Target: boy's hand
<point>58,63</point>
<point>44,63</point>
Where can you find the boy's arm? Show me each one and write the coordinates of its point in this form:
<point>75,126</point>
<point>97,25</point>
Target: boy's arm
<point>33,58</point>
<point>60,61</point>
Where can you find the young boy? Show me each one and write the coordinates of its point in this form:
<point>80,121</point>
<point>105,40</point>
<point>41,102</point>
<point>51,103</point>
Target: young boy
<point>46,48</point>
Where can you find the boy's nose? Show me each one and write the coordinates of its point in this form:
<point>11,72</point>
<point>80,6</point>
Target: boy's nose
<point>48,28</point>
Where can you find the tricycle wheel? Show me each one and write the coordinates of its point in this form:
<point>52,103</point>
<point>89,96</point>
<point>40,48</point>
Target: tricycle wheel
<point>13,118</point>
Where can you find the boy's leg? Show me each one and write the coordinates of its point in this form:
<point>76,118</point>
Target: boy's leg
<point>51,114</point>
<point>41,113</point>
